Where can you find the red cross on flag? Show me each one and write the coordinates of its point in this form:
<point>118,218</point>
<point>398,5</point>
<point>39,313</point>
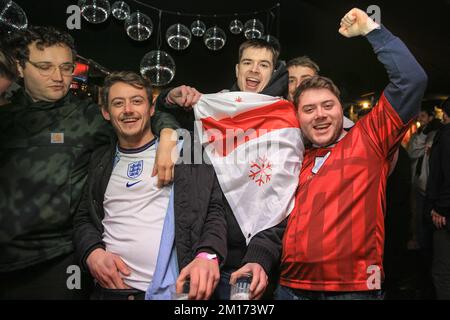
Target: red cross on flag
<point>255,145</point>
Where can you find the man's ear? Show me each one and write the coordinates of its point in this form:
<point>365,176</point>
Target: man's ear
<point>19,68</point>
<point>105,113</point>
<point>152,110</point>
<point>237,70</point>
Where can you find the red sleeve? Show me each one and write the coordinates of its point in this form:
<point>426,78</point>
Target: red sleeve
<point>384,127</point>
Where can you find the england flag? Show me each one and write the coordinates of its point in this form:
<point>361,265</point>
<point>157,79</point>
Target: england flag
<point>255,145</point>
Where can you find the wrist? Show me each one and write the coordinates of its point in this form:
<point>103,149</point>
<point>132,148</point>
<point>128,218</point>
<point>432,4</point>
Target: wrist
<point>169,100</point>
<point>207,256</point>
<point>370,26</point>
<point>93,255</point>
<point>168,135</point>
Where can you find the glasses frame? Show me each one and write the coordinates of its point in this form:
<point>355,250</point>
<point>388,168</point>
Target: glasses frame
<point>50,73</point>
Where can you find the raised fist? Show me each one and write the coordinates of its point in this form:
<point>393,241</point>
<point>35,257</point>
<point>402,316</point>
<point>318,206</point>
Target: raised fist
<point>356,23</point>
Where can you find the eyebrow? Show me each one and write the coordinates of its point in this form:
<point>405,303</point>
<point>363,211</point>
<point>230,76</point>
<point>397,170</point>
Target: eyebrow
<point>50,62</point>
<point>248,59</point>
<point>122,98</point>
<point>313,104</point>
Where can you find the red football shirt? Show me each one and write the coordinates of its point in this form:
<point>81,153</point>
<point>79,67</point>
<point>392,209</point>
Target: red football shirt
<point>335,234</point>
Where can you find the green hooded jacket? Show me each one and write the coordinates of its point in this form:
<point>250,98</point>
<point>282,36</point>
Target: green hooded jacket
<point>44,153</point>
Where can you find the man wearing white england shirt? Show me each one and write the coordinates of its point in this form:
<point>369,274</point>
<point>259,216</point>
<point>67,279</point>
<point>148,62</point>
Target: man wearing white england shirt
<point>134,238</point>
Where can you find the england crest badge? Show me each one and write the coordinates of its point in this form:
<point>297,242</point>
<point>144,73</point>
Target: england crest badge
<point>135,169</point>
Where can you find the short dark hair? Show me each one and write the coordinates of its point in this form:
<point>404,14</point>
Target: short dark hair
<point>428,107</point>
<point>8,68</point>
<point>316,82</point>
<point>259,44</point>
<point>128,77</point>
<point>44,37</point>
<point>303,61</point>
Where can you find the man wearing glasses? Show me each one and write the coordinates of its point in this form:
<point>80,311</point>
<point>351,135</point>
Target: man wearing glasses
<point>46,138</point>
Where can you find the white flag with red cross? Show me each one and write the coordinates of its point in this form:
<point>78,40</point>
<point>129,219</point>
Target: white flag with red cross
<point>255,145</point>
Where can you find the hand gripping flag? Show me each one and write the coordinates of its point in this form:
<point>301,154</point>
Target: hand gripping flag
<point>255,145</point>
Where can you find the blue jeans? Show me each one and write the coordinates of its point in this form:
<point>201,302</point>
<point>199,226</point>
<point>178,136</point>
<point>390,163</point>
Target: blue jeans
<point>285,293</point>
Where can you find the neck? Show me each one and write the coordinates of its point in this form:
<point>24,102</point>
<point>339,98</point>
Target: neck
<point>31,96</point>
<point>135,142</point>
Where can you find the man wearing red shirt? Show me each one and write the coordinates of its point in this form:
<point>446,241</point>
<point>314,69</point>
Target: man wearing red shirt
<point>333,244</point>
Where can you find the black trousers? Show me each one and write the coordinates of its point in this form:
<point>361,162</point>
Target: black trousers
<point>56,279</point>
<point>441,263</point>
<point>117,294</point>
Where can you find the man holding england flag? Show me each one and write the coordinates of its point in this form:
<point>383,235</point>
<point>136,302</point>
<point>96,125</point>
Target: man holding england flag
<point>259,190</point>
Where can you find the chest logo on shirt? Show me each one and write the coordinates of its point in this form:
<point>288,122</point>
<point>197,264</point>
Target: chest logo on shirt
<point>135,169</point>
<point>57,137</point>
<point>319,161</point>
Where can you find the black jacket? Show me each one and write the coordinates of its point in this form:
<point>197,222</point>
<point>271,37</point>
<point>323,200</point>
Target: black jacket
<point>438,184</point>
<point>200,223</point>
<point>265,247</point>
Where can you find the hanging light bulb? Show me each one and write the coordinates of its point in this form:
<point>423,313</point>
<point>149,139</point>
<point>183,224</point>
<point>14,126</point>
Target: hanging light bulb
<point>95,11</point>
<point>236,26</point>
<point>178,36</point>
<point>120,10</point>
<point>139,26</point>
<point>253,29</point>
<point>198,28</point>
<point>12,17</point>
<point>159,67</point>
<point>214,38</point>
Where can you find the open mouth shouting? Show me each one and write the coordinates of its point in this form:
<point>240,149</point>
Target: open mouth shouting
<point>252,83</point>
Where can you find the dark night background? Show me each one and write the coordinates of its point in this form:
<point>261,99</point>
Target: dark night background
<point>305,27</point>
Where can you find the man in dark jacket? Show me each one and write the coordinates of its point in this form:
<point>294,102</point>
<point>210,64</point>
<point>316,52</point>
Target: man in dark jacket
<point>46,137</point>
<point>438,205</point>
<point>258,70</point>
<point>123,222</point>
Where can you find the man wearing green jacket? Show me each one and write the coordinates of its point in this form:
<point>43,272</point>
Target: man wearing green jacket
<point>46,138</point>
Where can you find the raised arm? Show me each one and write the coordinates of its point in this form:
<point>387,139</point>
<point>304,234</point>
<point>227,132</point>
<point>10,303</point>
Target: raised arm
<point>407,79</point>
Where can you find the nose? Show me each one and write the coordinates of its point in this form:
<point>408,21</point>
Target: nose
<point>320,113</point>
<point>127,107</point>
<point>255,68</point>
<point>57,75</point>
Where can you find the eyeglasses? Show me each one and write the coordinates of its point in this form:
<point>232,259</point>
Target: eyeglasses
<point>46,69</point>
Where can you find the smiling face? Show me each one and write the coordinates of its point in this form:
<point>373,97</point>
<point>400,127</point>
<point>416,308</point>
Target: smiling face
<point>129,111</point>
<point>297,74</point>
<point>46,88</point>
<point>320,115</point>
<point>424,118</point>
<point>255,69</point>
